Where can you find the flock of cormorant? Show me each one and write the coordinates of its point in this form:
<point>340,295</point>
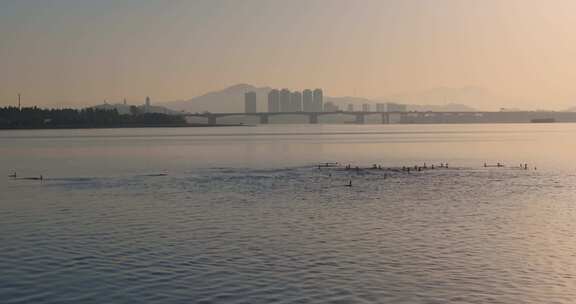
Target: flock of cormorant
<point>348,167</point>
<point>405,169</point>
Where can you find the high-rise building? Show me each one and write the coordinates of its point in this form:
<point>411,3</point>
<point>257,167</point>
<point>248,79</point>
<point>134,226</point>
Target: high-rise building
<point>307,101</point>
<point>350,107</point>
<point>147,105</point>
<point>250,102</point>
<point>380,107</point>
<point>274,101</point>
<point>365,107</point>
<point>285,105</point>
<point>296,101</point>
<point>318,97</point>
<point>395,107</point>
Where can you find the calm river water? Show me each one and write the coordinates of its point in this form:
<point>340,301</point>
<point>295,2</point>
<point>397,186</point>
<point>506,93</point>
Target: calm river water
<point>243,215</point>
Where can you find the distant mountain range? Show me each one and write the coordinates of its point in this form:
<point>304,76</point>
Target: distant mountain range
<point>231,99</point>
<point>451,98</point>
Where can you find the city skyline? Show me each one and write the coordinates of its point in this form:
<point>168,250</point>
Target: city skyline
<point>80,52</point>
<point>294,101</point>
<point>285,100</point>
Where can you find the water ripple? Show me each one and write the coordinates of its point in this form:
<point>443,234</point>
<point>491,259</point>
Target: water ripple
<point>291,235</point>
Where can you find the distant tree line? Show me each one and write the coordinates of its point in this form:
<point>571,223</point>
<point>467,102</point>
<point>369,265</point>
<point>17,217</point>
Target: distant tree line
<point>14,118</point>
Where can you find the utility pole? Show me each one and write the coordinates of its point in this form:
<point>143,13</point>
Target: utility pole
<point>19,105</point>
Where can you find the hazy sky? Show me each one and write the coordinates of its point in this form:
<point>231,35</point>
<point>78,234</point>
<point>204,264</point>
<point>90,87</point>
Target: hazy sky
<point>85,51</point>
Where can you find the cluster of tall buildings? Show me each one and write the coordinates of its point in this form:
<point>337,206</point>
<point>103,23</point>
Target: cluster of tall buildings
<point>286,101</point>
<point>308,101</point>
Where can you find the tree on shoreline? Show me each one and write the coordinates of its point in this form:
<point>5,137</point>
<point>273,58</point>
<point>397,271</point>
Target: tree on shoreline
<point>34,117</point>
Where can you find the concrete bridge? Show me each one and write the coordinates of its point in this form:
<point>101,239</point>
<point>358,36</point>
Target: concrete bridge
<point>360,117</point>
<point>409,117</point>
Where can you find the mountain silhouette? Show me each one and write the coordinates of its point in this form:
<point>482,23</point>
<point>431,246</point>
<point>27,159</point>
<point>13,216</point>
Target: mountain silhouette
<point>231,99</point>
<point>450,97</point>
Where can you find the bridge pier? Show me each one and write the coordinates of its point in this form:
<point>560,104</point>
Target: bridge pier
<point>264,119</point>
<point>360,119</point>
<point>313,118</point>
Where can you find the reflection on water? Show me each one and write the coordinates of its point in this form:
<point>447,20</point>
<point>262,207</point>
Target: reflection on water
<point>107,152</point>
<point>243,216</point>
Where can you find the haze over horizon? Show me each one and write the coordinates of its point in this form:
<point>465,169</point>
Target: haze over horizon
<point>80,52</point>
